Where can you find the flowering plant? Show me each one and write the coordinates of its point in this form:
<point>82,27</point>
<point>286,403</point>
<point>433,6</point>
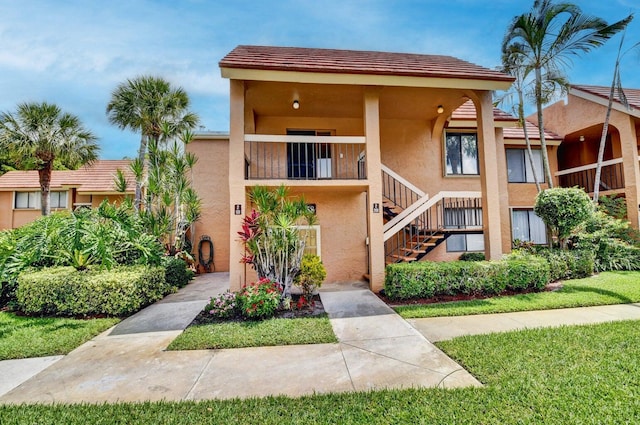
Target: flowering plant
<point>259,300</point>
<point>222,306</point>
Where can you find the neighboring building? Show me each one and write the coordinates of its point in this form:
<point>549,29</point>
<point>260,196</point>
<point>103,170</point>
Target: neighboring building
<point>580,121</point>
<point>70,189</point>
<point>402,156</point>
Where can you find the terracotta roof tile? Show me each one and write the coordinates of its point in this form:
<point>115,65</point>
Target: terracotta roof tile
<point>532,131</point>
<point>96,178</point>
<point>356,62</point>
<point>467,111</point>
<point>633,95</point>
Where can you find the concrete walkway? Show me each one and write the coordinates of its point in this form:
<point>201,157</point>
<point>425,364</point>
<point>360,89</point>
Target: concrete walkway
<point>376,349</point>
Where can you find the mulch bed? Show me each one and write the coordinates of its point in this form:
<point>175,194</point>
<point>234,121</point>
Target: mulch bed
<point>317,309</point>
<point>460,297</point>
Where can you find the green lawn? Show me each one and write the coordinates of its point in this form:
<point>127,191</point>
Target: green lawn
<point>570,375</point>
<point>603,289</point>
<point>22,337</point>
<point>309,330</point>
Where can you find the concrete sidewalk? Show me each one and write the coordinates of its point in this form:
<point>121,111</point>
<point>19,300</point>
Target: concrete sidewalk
<point>376,349</point>
<point>443,328</point>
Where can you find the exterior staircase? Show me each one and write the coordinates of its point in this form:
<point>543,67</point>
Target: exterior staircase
<point>415,224</point>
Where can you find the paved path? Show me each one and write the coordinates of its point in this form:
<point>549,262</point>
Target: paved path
<point>376,349</point>
<point>441,328</point>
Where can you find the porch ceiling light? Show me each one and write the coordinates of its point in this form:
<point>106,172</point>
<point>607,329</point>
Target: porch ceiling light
<point>296,104</point>
<point>581,138</point>
<point>440,109</point>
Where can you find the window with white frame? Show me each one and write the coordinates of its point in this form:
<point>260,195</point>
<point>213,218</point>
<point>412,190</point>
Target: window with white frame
<point>464,242</point>
<point>461,152</point>
<point>519,167</point>
<point>31,200</point>
<point>526,226</point>
<point>311,237</point>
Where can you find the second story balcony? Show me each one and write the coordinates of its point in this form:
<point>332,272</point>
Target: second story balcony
<point>296,157</point>
<point>611,178</point>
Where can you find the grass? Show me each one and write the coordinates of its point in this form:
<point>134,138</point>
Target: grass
<point>308,330</point>
<point>23,337</point>
<point>569,375</point>
<point>603,289</point>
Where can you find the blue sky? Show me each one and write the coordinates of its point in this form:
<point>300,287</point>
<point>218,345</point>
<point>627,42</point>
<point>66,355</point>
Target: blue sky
<point>75,52</point>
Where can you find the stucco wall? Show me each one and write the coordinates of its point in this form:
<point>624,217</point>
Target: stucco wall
<point>211,182</point>
<point>6,210</point>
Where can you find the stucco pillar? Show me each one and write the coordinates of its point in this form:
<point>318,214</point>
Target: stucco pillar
<point>489,176</point>
<point>628,145</point>
<point>503,191</point>
<point>237,195</point>
<point>375,230</point>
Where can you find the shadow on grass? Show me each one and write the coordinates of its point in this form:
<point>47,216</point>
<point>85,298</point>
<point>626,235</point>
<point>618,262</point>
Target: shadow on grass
<point>574,289</point>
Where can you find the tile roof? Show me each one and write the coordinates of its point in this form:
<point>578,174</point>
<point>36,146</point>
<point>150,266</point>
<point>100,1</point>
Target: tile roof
<point>356,62</point>
<point>633,95</point>
<point>467,111</point>
<point>532,131</point>
<point>96,178</point>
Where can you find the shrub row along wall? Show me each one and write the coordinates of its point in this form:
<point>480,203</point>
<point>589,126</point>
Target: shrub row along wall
<point>428,279</point>
<point>65,291</point>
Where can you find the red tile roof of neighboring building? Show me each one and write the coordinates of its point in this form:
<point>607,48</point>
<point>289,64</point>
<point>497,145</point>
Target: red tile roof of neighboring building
<point>467,111</point>
<point>632,95</point>
<point>356,62</point>
<point>97,178</point>
<point>532,131</point>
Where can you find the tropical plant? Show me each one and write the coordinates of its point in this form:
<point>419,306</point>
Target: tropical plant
<point>563,209</point>
<point>151,106</point>
<point>273,245</point>
<point>259,300</point>
<point>312,274</point>
<point>616,92</point>
<point>546,38</point>
<point>43,133</point>
<point>513,64</point>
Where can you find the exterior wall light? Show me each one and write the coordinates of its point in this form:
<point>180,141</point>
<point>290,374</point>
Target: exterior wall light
<point>296,104</point>
<point>581,138</point>
<point>440,109</point>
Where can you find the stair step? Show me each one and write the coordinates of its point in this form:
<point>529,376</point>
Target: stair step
<point>415,251</point>
<point>402,257</point>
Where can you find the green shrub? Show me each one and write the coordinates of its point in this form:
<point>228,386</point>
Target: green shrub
<point>259,300</point>
<point>562,209</point>
<point>223,306</point>
<point>65,291</point>
<point>177,273</point>
<point>426,279</point>
<point>312,274</point>
<point>566,264</point>
<point>472,256</point>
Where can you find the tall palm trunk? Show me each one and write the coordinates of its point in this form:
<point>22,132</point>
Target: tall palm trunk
<point>44,175</point>
<point>142,150</point>
<point>526,138</point>
<point>543,142</point>
<point>603,142</point>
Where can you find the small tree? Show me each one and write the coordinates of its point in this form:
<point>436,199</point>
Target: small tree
<point>563,209</point>
<point>270,234</point>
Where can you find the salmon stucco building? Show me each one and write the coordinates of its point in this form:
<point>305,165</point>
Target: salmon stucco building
<point>70,189</point>
<point>402,156</point>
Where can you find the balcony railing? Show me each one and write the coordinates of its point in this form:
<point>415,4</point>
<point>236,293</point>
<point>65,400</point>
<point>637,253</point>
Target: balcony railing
<point>273,157</point>
<point>611,176</point>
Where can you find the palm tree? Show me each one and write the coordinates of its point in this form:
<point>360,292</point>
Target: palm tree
<point>512,64</point>
<point>151,106</point>
<point>616,88</point>
<point>548,36</point>
<point>42,133</point>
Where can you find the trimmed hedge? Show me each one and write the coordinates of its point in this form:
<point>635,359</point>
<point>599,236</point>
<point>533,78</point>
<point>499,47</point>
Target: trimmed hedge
<point>426,279</point>
<point>572,264</point>
<point>65,291</point>
<point>177,273</point>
